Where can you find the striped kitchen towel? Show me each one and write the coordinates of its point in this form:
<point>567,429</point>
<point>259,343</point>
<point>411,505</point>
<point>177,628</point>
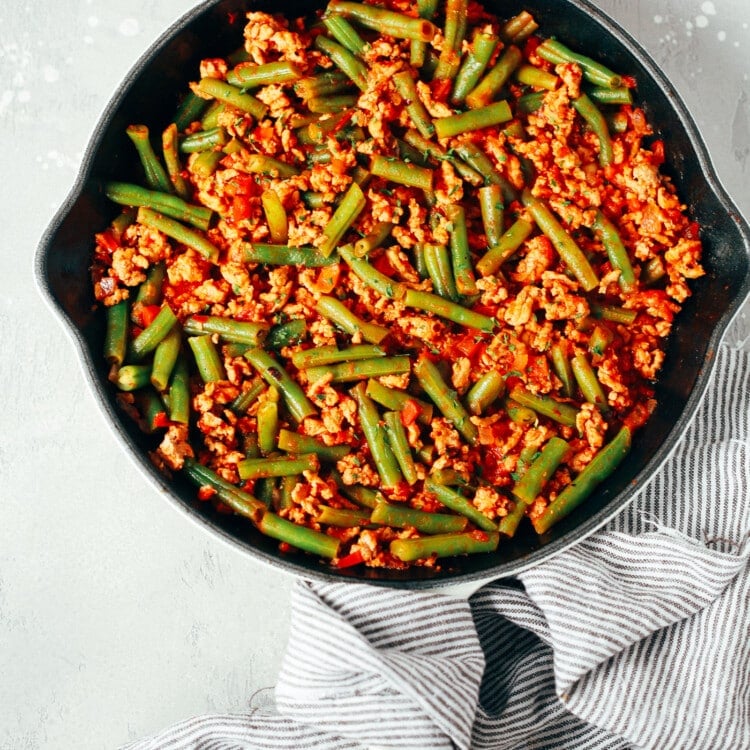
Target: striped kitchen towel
<point>635,638</point>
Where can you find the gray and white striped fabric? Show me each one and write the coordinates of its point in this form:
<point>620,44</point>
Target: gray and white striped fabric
<point>635,638</point>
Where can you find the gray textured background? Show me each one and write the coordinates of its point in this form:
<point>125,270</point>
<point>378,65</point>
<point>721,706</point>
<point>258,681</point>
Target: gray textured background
<point>117,616</point>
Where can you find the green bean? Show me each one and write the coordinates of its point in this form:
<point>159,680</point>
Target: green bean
<point>236,331</point>
<point>537,78</point>
<point>385,21</point>
<point>300,537</point>
<point>298,404</point>
<point>179,392</point>
<point>381,283</point>
<point>344,60</point>
<point>492,208</point>
<point>418,49</point>
<point>519,414</point>
<point>116,337</point>
<point>342,517</point>
<point>480,162</point>
<point>345,34</point>
<point>482,48</point>
<point>532,102</point>
<point>588,382</point>
<point>484,392</point>
<point>328,355</point>
<point>150,291</point>
<point>132,377</point>
<point>519,28</point>
<point>588,110</point>
<point>233,96</point>
<point>375,435</point>
<point>531,483</point>
<point>445,399</point>
<point>262,164</point>
<point>207,359</point>
<point>151,407</point>
<point>288,483</point>
<point>204,140</point>
<point>439,269</point>
<point>594,72</point>
<point>335,311</point>
<point>448,477</point>
<point>606,232</point>
<point>489,87</point>
<point>210,118</point>
<point>561,366</point>
<point>206,163</point>
<point>250,445</point>
<point>459,504</point>
<point>133,195</point>
<point>148,339</point>
<point>444,308</point>
<point>331,104</point>
<point>571,254</point>
<point>276,218</point>
<point>268,426</point>
<point>343,218</point>
<point>156,176</point>
<point>401,517</point>
<point>179,232</point>
<point>514,129</point>
<point>491,261</point>
<point>600,339</point>
<point>362,496</point>
<point>460,253</point>
<point>286,334</point>
<point>602,465</point>
<point>379,234</point>
<point>476,119</point>
<point>165,358</point>
<point>172,161</point>
<point>620,95</point>
<point>239,501</point>
<point>350,372</point>
<point>415,108</point>
<point>249,396</point>
<point>456,12</point>
<point>420,266</point>
<point>293,442</point>
<point>545,405</point>
<point>433,150</point>
<point>265,491</point>
<point>401,172</point>
<point>509,523</point>
<point>396,435</point>
<point>322,84</point>
<point>282,255</point>
<point>444,545</point>
<point>279,466</point>
<point>189,111</point>
<point>395,399</point>
<point>248,75</point>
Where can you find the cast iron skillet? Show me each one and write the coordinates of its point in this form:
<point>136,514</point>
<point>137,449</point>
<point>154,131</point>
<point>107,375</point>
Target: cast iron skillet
<point>150,94</point>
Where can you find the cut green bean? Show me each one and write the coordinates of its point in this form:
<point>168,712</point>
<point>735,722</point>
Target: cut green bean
<point>401,517</point>
<point>532,102</point>
<point>418,49</point>
<point>342,517</point>
<point>362,496</point>
<point>459,504</point>
<point>445,399</point>
<point>382,284</point>
<point>338,313</point>
<point>492,83</point>
<point>262,164</point>
<point>463,270</point>
<point>170,150</point>
<point>520,414</point>
<point>456,16</point>
<point>282,255</point>
<point>132,377</point>
<point>620,95</point>
<point>566,246</point>
<point>598,74</point>
<point>491,261</point>
<point>328,355</point>
<point>588,382</point>
<point>401,172</point>
<point>322,84</point>
<point>286,334</point>
<point>345,34</point>
<point>530,485</point>
<point>485,392</point>
<point>179,392</point>
<point>190,110</point>
<point>414,106</point>
<point>561,366</point>
<point>396,435</point>
<point>268,426</point>
<point>300,537</point>
<point>233,96</point>
<point>151,407</point>
<point>375,435</point>
<point>156,176</point>
<point>440,271</point>
<point>350,372</point>
<point>519,28</point>
<point>432,150</point>
<point>206,163</point>
<point>380,233</point>
<point>588,110</point>
<point>236,331</point>
<point>537,78</point>
<point>385,21</point>
<point>210,118</point>
<point>606,232</point>
<point>614,314</point>
<point>293,442</point>
<point>204,140</point>
<point>444,308</point>
<point>248,75</point>
<point>480,162</point>
<point>395,399</point>
<point>165,358</point>
<point>545,405</point>
<point>116,337</point>
<point>343,218</point>
<point>331,104</point>
<point>276,218</point>
<point>482,48</point>
<point>248,397</point>
<point>286,490</point>
<point>476,119</point>
<point>444,545</point>
<point>150,337</point>
<point>492,208</point>
<point>207,359</point>
<point>343,59</point>
<point>279,466</point>
<point>179,232</point>
<point>601,466</point>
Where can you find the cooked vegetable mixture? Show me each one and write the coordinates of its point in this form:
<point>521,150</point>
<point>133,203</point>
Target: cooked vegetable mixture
<point>397,279</point>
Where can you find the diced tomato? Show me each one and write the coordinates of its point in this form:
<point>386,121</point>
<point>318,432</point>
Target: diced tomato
<point>349,561</point>
<point>441,88</point>
<point>148,313</point>
<point>161,420</point>
<point>241,207</point>
<point>629,82</point>
<point>530,47</point>
<point>384,265</point>
<point>410,412</point>
<point>245,184</point>
<point>512,381</point>
<point>108,241</point>
<point>328,278</point>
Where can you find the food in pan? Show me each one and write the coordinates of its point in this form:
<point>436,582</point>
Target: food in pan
<point>396,279</point>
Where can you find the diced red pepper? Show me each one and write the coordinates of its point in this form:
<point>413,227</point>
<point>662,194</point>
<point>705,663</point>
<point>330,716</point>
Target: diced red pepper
<point>384,265</point>
<point>349,561</point>
<point>241,207</point>
<point>530,47</point>
<point>441,88</point>
<point>206,492</point>
<point>161,420</point>
<point>410,412</point>
<point>148,313</point>
<point>108,241</point>
<point>693,231</point>
<point>657,149</point>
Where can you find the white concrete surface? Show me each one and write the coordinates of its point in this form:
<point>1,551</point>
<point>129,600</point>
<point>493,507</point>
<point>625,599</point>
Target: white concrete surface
<point>118,616</point>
